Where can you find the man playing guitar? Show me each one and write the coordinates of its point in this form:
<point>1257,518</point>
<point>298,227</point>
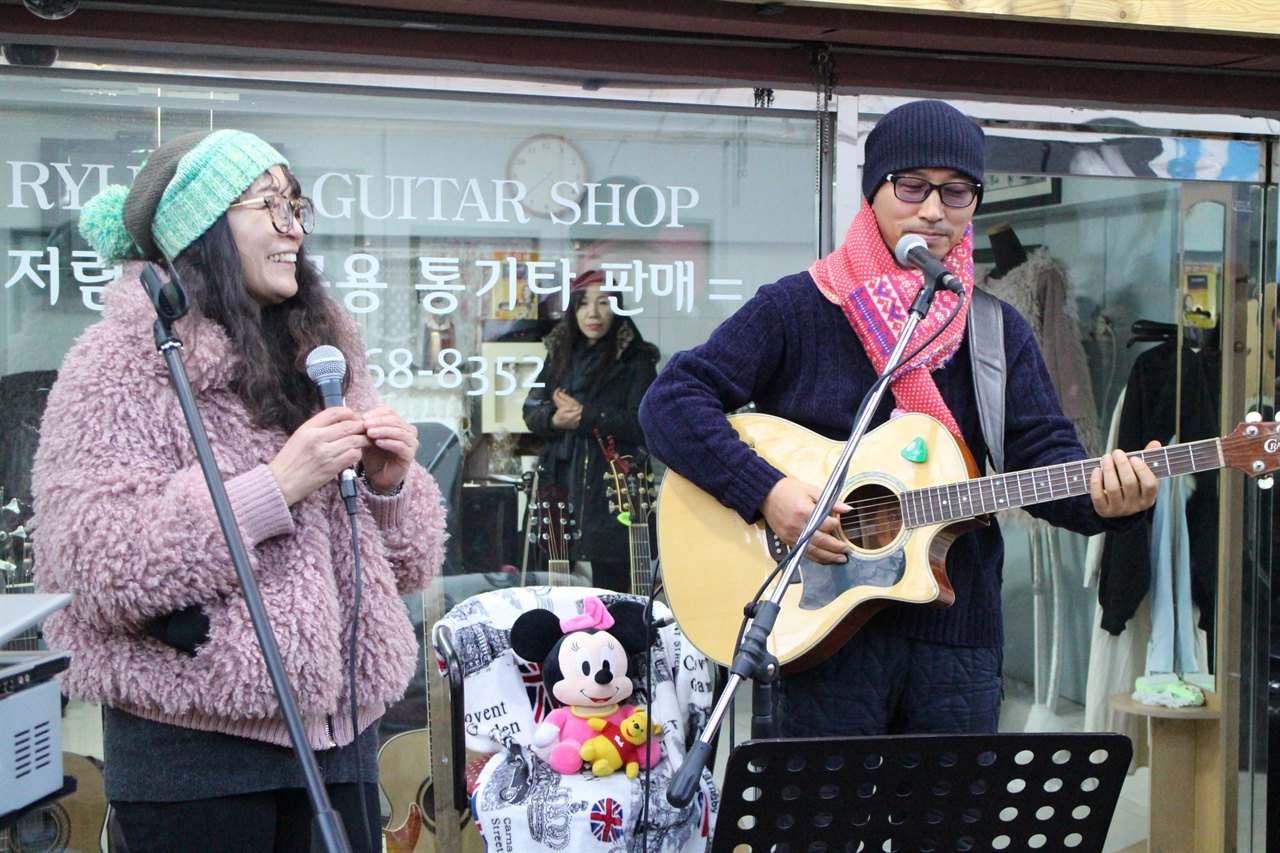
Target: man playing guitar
<point>807,348</point>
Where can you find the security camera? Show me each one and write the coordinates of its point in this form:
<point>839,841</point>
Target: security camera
<point>51,10</point>
<point>30,55</point>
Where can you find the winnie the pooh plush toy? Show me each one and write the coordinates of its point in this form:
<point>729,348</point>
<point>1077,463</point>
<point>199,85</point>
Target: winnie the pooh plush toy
<point>584,667</point>
<point>618,746</point>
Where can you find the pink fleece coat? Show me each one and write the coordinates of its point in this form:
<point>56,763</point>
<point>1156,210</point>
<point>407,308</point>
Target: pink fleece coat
<point>124,522</point>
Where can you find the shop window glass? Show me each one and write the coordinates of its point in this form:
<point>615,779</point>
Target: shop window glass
<point>449,227</point>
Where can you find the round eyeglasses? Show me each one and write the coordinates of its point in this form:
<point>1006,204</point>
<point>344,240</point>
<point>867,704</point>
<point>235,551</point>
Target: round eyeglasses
<point>914,190</point>
<point>283,210</point>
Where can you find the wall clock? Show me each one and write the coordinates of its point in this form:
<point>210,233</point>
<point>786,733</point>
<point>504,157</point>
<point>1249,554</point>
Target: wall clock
<point>539,163</point>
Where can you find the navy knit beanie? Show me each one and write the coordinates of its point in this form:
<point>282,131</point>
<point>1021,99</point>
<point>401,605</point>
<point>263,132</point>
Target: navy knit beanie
<point>923,135</point>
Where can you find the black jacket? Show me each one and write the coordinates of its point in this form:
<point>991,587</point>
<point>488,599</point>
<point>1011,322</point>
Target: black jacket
<point>574,459</point>
<point>1149,413</point>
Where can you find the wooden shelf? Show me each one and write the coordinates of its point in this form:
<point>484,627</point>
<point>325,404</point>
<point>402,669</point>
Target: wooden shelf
<point>1184,772</point>
<point>1126,703</point>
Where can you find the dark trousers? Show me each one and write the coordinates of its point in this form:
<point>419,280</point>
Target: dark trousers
<point>277,821</point>
<point>879,683</point>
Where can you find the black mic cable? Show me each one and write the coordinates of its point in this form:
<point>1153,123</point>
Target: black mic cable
<point>351,669</point>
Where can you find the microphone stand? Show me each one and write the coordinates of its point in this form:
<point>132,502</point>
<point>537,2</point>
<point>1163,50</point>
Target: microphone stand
<point>753,659</point>
<point>170,301</point>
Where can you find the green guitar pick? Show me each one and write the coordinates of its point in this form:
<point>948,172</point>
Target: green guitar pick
<point>915,451</point>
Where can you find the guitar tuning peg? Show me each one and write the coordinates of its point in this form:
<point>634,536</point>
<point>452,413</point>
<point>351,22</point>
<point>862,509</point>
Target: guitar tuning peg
<point>7,568</point>
<point>1266,482</point>
<point>19,532</point>
<point>1253,418</point>
<point>12,507</point>
<point>612,507</point>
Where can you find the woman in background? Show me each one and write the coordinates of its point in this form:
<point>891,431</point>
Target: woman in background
<point>598,367</point>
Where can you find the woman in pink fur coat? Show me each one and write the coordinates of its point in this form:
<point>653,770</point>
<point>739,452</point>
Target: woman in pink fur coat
<point>197,753</point>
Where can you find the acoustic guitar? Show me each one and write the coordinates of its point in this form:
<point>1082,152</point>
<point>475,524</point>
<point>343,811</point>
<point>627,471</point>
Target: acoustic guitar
<point>552,529</point>
<point>912,488</point>
<point>631,494</point>
<point>405,764</point>
<point>70,824</point>
<point>404,773</point>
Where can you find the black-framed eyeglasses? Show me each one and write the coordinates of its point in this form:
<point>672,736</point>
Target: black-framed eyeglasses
<point>284,210</point>
<point>915,189</point>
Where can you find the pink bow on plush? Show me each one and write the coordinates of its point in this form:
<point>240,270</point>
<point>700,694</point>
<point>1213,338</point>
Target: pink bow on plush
<point>594,615</point>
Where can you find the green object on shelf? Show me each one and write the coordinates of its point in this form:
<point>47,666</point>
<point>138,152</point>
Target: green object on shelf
<point>1166,689</point>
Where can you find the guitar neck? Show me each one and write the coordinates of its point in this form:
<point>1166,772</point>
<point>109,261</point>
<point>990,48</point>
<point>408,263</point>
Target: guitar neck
<point>558,572</point>
<point>969,498</point>
<point>641,563</point>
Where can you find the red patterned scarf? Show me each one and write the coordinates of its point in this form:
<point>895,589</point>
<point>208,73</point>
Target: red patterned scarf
<point>875,294</point>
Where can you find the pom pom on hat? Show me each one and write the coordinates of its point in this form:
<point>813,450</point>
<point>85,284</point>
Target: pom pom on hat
<point>102,224</point>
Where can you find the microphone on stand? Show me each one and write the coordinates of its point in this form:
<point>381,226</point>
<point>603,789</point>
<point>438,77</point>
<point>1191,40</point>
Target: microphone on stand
<point>327,368</point>
<point>913,251</point>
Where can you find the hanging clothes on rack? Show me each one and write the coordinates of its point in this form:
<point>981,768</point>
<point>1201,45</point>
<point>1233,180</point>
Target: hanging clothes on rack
<point>1041,291</point>
<point>1172,647</point>
<point>1149,413</point>
<point>1037,285</point>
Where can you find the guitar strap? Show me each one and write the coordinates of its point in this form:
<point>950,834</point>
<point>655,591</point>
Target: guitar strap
<point>985,326</point>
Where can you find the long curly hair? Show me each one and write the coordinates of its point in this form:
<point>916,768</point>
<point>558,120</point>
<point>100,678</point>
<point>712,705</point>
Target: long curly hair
<point>273,341</point>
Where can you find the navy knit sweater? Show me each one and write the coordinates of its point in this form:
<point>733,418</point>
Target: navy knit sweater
<point>794,354</point>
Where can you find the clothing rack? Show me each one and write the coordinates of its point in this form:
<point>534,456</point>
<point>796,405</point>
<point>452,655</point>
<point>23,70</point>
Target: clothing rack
<point>1154,331</point>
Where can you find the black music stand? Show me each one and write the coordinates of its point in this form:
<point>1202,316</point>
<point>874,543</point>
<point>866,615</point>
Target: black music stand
<point>1047,792</point>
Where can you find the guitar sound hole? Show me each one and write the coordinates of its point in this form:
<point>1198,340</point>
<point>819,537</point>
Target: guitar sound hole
<point>875,519</point>
<point>46,828</point>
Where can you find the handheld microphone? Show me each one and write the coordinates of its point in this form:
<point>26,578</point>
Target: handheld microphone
<point>327,368</point>
<point>913,251</point>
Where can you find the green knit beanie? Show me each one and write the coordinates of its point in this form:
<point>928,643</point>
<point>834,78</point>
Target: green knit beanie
<point>185,185</point>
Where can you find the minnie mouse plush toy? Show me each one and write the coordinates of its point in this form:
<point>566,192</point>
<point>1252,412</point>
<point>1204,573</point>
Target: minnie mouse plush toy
<point>584,666</point>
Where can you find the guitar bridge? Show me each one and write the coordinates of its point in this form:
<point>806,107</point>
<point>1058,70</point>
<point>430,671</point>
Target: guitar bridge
<point>777,548</point>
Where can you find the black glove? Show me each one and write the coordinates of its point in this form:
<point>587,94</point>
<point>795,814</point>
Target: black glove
<point>185,630</point>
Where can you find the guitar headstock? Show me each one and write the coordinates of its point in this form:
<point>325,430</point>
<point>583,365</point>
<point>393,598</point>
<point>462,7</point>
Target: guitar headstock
<point>635,496</point>
<point>553,527</point>
<point>631,491</point>
<point>1254,448</point>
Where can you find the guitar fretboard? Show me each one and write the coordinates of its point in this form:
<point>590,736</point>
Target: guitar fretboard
<point>969,498</point>
<point>641,562</point>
